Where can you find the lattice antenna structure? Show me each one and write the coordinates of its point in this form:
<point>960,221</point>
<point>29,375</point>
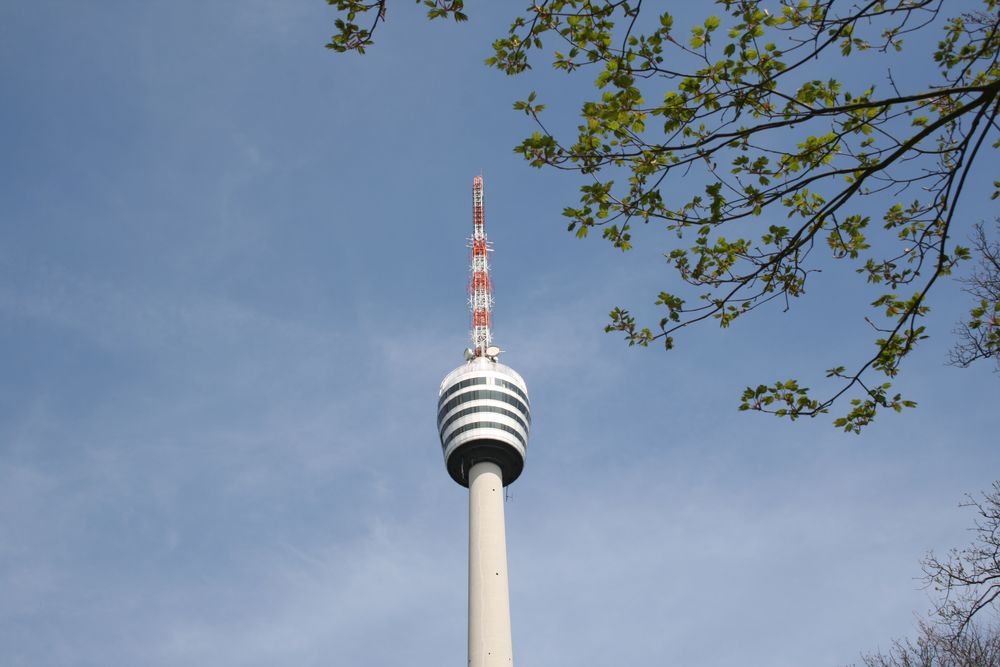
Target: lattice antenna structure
<point>480,289</point>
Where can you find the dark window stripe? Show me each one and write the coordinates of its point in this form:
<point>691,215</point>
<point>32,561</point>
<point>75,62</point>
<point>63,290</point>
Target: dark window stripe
<point>462,385</point>
<point>484,393</point>
<point>484,409</point>
<point>513,387</point>
<point>469,427</point>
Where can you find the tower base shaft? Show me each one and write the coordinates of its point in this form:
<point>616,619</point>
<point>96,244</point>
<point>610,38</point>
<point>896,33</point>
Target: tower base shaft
<point>489,597</point>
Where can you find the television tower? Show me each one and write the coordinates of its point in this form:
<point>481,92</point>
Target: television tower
<point>483,420</point>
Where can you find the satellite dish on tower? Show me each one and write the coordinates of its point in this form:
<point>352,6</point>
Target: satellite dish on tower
<point>492,352</point>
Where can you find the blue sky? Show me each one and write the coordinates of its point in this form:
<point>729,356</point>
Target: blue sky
<point>232,275</point>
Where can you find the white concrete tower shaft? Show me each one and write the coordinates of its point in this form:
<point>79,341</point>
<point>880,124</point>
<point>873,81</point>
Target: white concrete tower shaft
<point>489,596</point>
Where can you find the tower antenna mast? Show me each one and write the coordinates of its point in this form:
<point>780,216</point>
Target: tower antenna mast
<point>480,289</point>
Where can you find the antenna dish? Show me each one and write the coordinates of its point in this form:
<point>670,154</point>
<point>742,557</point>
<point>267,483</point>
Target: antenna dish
<point>469,354</point>
<point>492,352</point>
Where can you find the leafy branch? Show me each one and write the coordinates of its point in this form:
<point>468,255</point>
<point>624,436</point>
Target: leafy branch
<point>764,144</point>
<point>352,37</point>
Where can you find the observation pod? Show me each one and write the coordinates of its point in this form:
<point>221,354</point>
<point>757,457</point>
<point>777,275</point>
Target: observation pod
<point>483,415</point>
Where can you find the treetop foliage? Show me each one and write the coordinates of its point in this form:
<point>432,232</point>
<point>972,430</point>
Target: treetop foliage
<point>965,631</point>
<point>968,579</point>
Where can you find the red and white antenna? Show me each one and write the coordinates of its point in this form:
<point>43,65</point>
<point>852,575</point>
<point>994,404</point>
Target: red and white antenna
<point>480,289</point>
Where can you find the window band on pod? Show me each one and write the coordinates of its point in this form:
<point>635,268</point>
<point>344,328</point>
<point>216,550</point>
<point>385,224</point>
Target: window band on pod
<point>513,387</point>
<point>483,409</point>
<point>469,427</point>
<point>462,385</point>
<point>484,394</point>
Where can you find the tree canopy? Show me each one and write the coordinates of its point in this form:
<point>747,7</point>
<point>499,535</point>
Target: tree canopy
<point>792,162</point>
<point>979,337</point>
<point>968,579</point>
<point>964,631</point>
